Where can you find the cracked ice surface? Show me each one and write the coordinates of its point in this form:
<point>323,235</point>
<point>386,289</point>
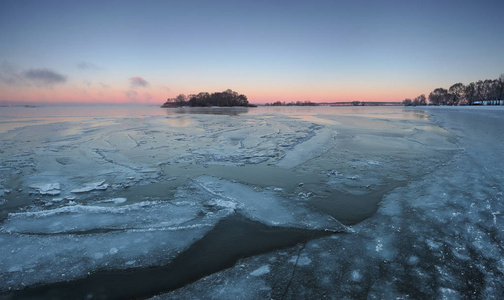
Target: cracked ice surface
<point>114,149</point>
<point>439,237</point>
<point>142,234</point>
<point>151,186</point>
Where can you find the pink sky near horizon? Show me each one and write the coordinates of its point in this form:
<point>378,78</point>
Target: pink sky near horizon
<point>157,95</point>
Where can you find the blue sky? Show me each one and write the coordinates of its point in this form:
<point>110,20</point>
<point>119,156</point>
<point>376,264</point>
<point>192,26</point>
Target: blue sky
<point>268,50</point>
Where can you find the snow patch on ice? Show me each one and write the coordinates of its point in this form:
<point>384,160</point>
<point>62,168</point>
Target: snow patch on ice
<point>356,276</point>
<point>265,269</point>
<point>52,188</point>
<point>221,203</point>
<point>114,200</point>
<point>302,260</point>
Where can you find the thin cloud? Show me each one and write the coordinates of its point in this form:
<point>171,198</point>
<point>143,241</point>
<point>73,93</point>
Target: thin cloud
<point>87,66</point>
<point>135,97</point>
<point>45,76</point>
<point>9,75</point>
<point>138,82</point>
<point>147,97</point>
<point>131,95</point>
<point>103,85</point>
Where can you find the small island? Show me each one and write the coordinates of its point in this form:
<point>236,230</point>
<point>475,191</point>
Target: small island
<point>228,98</point>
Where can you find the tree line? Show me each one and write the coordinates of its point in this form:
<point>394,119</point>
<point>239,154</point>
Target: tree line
<point>460,94</point>
<point>292,103</point>
<point>227,98</point>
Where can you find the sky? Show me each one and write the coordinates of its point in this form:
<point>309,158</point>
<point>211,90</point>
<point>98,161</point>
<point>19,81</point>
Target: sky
<point>321,51</point>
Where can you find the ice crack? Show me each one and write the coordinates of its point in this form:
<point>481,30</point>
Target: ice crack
<point>294,269</point>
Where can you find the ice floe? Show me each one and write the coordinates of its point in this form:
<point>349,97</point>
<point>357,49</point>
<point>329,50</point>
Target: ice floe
<point>306,150</point>
<point>51,189</point>
<point>91,186</point>
<point>266,207</point>
<point>94,237</point>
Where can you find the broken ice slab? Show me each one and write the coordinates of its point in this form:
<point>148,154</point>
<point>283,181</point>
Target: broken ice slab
<point>83,218</point>
<point>306,150</point>
<point>92,186</point>
<point>4,191</point>
<point>51,189</point>
<point>114,200</point>
<point>268,208</point>
<point>143,234</point>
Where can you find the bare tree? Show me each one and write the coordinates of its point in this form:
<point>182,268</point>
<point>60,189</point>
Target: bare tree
<point>407,102</point>
<point>501,92</point>
<point>420,100</point>
<point>471,93</point>
<point>181,100</point>
<point>458,93</point>
<point>439,96</point>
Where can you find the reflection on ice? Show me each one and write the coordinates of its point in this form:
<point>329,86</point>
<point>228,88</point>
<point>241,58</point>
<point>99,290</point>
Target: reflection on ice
<point>229,111</point>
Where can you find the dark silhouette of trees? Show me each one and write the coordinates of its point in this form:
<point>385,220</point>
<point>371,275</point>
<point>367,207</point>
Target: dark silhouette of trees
<point>474,92</point>
<point>470,93</point>
<point>180,100</point>
<point>201,99</point>
<point>420,100</point>
<point>292,103</point>
<point>439,96</point>
<point>457,91</point>
<point>408,102</point>
<point>501,92</point>
<point>227,98</point>
<point>460,94</point>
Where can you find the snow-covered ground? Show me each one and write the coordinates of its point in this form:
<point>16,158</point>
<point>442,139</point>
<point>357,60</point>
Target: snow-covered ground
<point>384,202</point>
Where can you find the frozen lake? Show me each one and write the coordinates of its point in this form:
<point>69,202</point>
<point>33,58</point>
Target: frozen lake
<point>251,203</point>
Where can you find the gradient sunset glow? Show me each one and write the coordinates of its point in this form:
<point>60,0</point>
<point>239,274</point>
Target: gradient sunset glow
<point>321,51</point>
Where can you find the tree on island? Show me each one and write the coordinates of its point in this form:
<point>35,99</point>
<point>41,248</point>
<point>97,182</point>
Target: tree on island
<point>227,98</point>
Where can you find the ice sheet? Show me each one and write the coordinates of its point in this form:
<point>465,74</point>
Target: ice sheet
<point>429,231</point>
<point>69,242</point>
<point>313,147</point>
<point>266,207</point>
<point>439,237</point>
